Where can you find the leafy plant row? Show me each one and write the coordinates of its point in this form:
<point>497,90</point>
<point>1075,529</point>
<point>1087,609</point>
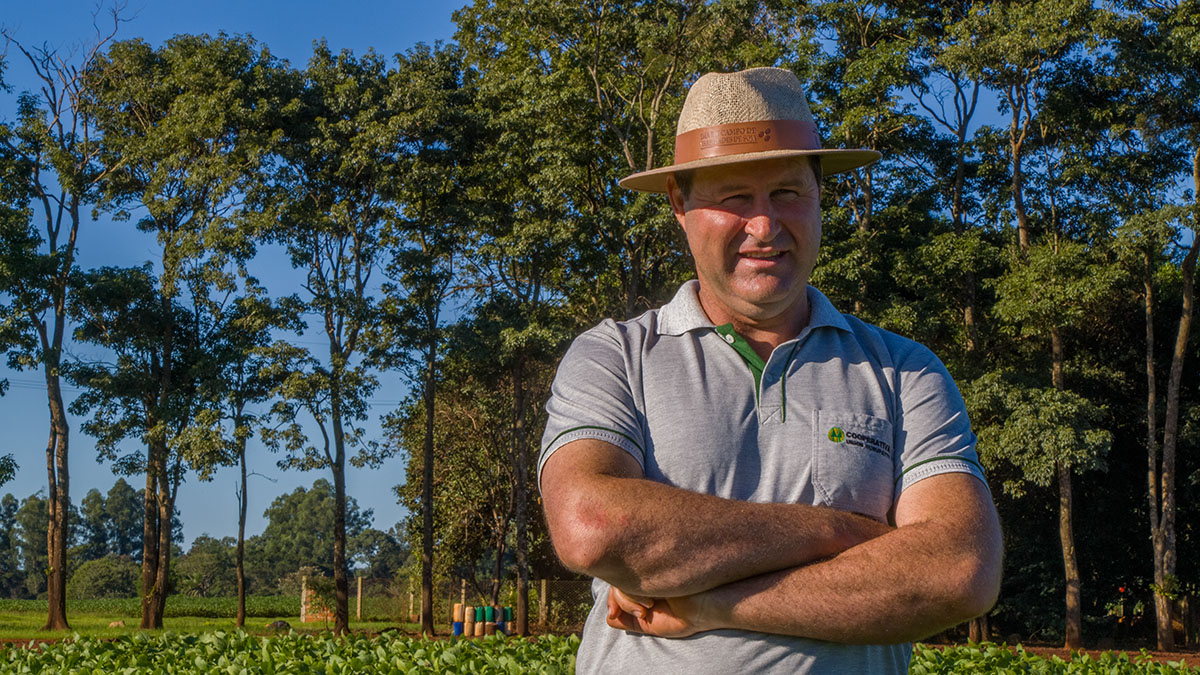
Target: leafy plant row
<point>242,654</point>
<point>1001,660</point>
<point>177,606</point>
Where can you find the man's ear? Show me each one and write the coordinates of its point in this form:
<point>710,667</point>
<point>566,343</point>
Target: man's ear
<point>675,195</point>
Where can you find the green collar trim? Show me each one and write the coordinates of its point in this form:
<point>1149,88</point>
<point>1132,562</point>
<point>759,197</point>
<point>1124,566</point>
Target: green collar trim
<point>743,348</point>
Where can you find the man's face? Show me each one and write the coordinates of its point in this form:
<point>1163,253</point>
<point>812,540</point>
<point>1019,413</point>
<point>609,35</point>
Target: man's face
<point>754,230</point>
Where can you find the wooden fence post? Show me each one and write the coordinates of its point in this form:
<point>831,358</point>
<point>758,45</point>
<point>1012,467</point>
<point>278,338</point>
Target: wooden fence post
<point>543,605</point>
<point>303,598</point>
<point>358,609</point>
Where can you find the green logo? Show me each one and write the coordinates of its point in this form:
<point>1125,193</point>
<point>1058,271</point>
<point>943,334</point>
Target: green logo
<point>837,435</point>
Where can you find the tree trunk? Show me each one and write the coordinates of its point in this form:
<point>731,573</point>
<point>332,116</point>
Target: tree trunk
<point>58,505</point>
<point>1164,539</point>
<point>498,572</point>
<point>863,219</point>
<point>427,498</point>
<point>1066,532</point>
<point>978,631</point>
<point>522,471</point>
<point>166,512</point>
<point>1070,563</point>
<point>150,527</point>
<point>1017,131</point>
<point>239,555</point>
<point>341,584</point>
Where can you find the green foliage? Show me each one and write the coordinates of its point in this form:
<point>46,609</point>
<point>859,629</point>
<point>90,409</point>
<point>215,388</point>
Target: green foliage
<point>1035,429</point>
<point>242,653</point>
<point>268,606</point>
<point>207,569</point>
<point>108,577</point>
<point>1000,659</point>
<point>299,535</point>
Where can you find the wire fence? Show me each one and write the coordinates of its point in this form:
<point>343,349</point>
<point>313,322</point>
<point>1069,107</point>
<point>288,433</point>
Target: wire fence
<point>555,605</point>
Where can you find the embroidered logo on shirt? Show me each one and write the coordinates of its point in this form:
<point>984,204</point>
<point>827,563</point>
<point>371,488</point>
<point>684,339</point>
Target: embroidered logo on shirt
<point>875,445</point>
<point>837,435</point>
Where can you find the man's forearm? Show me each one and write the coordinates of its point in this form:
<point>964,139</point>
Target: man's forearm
<point>656,540</point>
<point>905,585</point>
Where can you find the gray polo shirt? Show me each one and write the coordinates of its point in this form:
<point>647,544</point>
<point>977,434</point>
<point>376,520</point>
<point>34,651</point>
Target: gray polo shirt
<point>844,415</point>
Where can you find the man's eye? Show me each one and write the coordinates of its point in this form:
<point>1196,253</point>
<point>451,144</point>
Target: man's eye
<point>735,199</point>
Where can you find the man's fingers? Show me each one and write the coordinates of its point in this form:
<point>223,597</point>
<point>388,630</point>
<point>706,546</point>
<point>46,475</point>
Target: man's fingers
<point>633,604</point>
<point>625,621</point>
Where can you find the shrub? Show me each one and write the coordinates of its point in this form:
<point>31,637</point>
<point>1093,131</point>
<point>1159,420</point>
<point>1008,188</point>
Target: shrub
<point>108,577</point>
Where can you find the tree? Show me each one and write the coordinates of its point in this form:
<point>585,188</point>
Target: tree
<point>111,576</point>
<point>329,202</point>
<point>95,526</point>
<point>205,570</point>
<point>10,557</point>
<point>1154,60</point>
<point>183,129</point>
<point>1014,48</point>
<point>237,377</point>
<point>474,477</point>
<point>590,90</point>
<point>57,142</point>
<point>299,533</point>
<point>949,93</point>
<point>123,511</point>
<point>435,120</point>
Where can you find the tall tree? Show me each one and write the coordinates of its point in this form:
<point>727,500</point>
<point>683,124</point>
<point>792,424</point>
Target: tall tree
<point>184,132</point>
<point>121,311</point>
<point>10,557</point>
<point>949,94</point>
<point>329,202</point>
<point>576,96</point>
<point>434,120</point>
<point>859,84</point>
<point>298,530</point>
<point>238,378</point>
<point>94,526</point>
<point>1153,58</point>
<point>123,510</point>
<point>56,140</point>
<point>1014,48</point>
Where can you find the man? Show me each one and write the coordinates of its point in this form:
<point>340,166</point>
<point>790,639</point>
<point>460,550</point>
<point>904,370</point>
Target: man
<point>756,481</point>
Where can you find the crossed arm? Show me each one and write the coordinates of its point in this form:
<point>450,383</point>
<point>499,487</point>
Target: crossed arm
<point>682,562</point>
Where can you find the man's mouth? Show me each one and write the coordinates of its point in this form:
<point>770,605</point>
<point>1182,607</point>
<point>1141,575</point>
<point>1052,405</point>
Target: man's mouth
<point>760,255</point>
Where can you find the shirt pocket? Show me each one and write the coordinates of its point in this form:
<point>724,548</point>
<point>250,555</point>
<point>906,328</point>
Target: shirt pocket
<point>853,462</point>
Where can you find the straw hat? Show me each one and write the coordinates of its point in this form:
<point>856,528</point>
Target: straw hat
<point>749,115</point>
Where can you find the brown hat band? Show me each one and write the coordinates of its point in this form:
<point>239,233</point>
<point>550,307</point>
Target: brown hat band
<point>743,137</point>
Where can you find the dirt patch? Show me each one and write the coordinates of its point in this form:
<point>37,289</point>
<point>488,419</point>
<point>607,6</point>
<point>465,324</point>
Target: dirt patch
<point>1192,658</point>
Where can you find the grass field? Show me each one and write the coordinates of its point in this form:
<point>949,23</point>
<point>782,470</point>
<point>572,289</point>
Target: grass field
<point>199,637</point>
<point>22,620</point>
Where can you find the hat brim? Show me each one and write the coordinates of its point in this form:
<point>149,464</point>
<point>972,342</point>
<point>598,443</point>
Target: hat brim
<point>832,161</point>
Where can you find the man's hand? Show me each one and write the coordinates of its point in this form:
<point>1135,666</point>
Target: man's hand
<point>661,617</point>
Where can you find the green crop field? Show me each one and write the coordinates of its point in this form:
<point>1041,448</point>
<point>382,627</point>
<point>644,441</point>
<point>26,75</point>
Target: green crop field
<point>238,653</point>
<point>1002,660</point>
<point>200,638</point>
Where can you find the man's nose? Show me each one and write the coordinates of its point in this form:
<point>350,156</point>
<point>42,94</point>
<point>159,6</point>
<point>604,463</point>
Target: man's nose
<point>762,223</point>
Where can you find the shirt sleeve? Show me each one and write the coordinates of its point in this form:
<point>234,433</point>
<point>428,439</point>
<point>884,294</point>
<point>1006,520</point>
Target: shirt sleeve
<point>934,431</point>
<point>591,397</point>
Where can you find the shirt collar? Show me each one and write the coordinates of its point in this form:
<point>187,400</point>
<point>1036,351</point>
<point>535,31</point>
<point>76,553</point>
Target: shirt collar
<point>684,313</point>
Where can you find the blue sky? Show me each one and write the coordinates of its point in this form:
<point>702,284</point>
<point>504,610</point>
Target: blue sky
<point>289,29</point>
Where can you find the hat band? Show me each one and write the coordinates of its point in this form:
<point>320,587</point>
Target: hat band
<point>745,137</point>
